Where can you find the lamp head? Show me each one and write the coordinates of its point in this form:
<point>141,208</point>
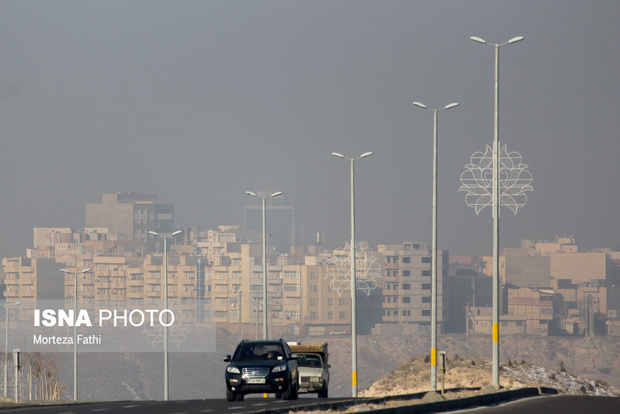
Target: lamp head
<point>336,154</point>
<point>420,104</point>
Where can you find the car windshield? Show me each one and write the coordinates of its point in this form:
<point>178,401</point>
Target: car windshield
<point>310,361</point>
<point>258,351</point>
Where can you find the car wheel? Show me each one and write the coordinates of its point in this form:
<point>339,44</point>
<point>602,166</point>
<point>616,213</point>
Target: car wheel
<point>286,395</point>
<point>239,397</point>
<point>230,396</point>
<point>323,393</point>
<point>294,390</point>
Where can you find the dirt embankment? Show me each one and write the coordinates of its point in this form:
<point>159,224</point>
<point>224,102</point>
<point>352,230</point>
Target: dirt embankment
<point>597,359</point>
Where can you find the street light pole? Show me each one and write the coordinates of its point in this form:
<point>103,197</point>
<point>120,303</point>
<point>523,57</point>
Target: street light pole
<point>165,237</point>
<point>6,347</point>
<point>75,355</point>
<point>353,276</point>
<point>434,246</point>
<point>264,198</point>
<point>495,208</point>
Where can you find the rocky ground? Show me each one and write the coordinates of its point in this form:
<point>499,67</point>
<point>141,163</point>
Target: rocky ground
<point>597,359</point>
<point>413,376</point>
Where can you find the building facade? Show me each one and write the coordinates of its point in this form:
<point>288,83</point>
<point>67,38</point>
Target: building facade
<point>130,216</point>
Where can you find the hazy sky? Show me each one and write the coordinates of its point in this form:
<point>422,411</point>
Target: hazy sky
<point>199,101</point>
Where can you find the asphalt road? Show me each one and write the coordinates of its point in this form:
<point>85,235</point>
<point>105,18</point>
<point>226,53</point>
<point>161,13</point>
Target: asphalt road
<point>544,404</point>
<point>173,407</point>
<point>557,404</point>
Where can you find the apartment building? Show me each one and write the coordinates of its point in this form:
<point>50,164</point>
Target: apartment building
<point>300,298</point>
<point>130,216</point>
<point>536,305</point>
<point>406,285</point>
<point>32,279</point>
<point>523,270</point>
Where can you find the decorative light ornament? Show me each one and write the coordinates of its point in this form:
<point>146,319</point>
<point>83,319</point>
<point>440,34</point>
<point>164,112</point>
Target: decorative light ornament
<point>368,270</point>
<point>514,180</point>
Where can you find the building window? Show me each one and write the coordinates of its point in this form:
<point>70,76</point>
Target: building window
<point>406,286</point>
<point>426,286</point>
<point>342,315</point>
<point>406,299</point>
<point>406,272</point>
<point>426,272</point>
<point>426,299</point>
<point>426,259</point>
<point>406,259</point>
<point>426,313</point>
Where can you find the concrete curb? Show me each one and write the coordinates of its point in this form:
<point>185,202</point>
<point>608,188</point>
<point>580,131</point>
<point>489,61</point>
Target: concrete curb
<point>417,407</point>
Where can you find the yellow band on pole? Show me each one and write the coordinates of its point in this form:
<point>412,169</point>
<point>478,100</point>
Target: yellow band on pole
<point>434,356</point>
<point>496,332</point>
<point>354,378</point>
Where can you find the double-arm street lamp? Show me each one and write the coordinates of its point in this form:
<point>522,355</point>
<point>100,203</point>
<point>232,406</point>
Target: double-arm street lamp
<point>75,356</point>
<point>264,198</point>
<point>495,209</point>
<point>353,276</point>
<point>7,309</point>
<point>165,237</point>
<point>434,247</point>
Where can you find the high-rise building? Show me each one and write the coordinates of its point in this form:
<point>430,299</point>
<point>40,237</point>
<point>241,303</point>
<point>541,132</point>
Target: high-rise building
<point>130,216</point>
<point>280,221</point>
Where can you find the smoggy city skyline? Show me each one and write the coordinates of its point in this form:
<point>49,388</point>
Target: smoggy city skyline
<point>199,102</point>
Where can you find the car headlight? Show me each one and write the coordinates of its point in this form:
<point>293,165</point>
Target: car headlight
<point>279,368</point>
<point>233,370</point>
